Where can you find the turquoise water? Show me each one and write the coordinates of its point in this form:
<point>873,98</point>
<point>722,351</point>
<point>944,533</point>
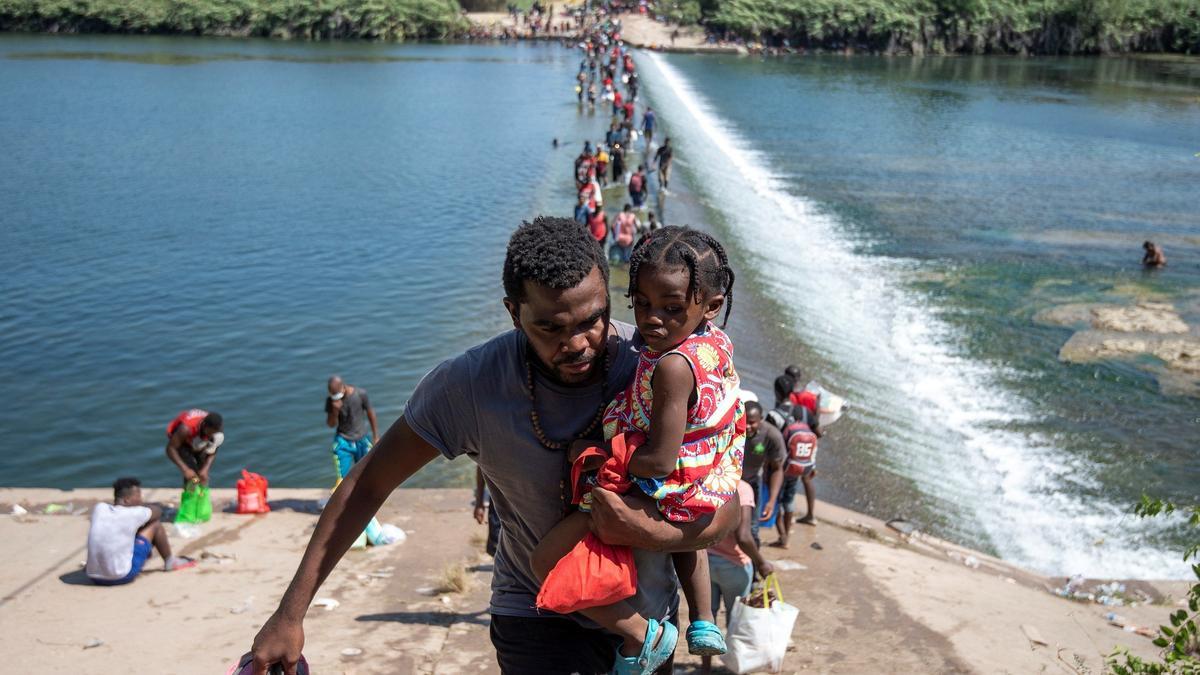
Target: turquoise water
<point>902,220</point>
<point>225,223</point>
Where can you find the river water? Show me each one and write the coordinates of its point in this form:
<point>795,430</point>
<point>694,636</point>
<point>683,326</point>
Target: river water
<point>223,224</point>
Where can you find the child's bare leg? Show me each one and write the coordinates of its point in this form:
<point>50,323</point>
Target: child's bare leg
<point>692,569</point>
<point>618,618</point>
<point>558,542</point>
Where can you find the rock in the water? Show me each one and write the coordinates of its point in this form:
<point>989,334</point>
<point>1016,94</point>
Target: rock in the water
<point>1072,315</point>
<point>1144,317</point>
<point>1180,353</point>
<point>1159,318</point>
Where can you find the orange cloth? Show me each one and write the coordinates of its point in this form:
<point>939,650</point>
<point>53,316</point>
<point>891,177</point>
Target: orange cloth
<point>593,573</point>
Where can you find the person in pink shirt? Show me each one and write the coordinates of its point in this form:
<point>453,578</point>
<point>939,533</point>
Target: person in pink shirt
<point>623,232</point>
<point>733,561</point>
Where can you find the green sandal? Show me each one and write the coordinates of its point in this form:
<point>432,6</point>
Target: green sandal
<point>705,639</point>
<point>651,658</point>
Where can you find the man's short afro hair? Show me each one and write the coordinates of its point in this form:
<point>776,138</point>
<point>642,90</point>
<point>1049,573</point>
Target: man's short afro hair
<point>554,252</point>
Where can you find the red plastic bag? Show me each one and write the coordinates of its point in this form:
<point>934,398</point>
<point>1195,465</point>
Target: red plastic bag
<point>591,575</point>
<point>594,573</point>
<point>252,493</point>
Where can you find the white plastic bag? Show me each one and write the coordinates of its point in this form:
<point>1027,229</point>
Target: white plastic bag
<point>388,534</point>
<point>830,406</point>
<point>758,638</point>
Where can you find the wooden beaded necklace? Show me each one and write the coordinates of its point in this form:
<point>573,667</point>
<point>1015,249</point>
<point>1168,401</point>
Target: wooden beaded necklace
<point>536,421</point>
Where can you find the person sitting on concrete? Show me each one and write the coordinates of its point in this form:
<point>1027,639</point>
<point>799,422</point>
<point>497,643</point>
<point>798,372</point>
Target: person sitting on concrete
<point>122,534</point>
<point>193,438</point>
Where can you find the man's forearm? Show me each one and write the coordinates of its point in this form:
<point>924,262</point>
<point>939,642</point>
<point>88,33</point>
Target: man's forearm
<point>173,455</point>
<point>774,487</point>
<point>698,534</point>
<point>344,517</point>
<point>636,521</point>
<point>396,457</point>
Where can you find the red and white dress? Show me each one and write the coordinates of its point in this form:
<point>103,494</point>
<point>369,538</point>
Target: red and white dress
<point>710,461</point>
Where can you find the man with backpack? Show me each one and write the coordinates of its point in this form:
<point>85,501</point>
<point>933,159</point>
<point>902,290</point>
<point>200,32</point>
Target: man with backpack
<point>800,437</point>
<point>637,187</point>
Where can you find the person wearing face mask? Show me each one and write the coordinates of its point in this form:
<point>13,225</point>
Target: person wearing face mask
<point>348,409</point>
<point>193,438</point>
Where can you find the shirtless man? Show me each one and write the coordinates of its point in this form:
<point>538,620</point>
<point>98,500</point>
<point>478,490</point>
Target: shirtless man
<point>1153,257</point>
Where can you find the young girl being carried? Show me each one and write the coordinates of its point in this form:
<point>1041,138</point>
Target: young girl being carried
<point>683,413</point>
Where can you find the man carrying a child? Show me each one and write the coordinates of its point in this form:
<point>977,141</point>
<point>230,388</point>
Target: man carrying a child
<point>514,404</point>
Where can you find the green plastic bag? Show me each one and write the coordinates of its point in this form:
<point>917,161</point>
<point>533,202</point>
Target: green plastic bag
<point>195,505</point>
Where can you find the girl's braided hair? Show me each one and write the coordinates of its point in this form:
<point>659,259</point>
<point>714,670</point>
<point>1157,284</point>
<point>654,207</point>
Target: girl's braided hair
<point>704,257</point>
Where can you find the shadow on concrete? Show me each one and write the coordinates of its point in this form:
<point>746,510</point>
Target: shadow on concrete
<point>297,505</point>
<point>689,669</point>
<point>75,578</point>
<point>447,619</point>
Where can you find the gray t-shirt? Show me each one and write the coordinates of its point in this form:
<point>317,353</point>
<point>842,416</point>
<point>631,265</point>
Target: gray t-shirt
<point>765,446</point>
<point>476,404</point>
<point>352,418</point>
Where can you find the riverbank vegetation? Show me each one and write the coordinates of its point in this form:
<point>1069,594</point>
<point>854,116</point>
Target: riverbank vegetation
<point>1179,642</point>
<point>955,26</point>
<point>296,19</point>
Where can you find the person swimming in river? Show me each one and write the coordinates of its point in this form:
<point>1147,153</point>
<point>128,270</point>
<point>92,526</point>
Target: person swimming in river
<point>684,421</point>
<point>1153,257</point>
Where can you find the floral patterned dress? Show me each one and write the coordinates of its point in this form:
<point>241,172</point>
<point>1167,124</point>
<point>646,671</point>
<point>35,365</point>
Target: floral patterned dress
<point>710,461</point>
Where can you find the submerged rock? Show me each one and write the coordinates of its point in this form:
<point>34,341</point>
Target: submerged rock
<point>1178,353</point>
<point>1072,315</point>
<point>1130,331</point>
<point>1144,317</point>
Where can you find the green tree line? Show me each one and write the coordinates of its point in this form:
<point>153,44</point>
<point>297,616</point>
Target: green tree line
<point>297,19</point>
<point>956,26</point>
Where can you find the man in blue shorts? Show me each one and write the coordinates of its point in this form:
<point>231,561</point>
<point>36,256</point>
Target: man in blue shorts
<point>801,438</point>
<point>349,409</point>
<point>122,535</point>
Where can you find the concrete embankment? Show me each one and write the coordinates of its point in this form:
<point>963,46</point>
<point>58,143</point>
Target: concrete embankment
<point>870,598</point>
